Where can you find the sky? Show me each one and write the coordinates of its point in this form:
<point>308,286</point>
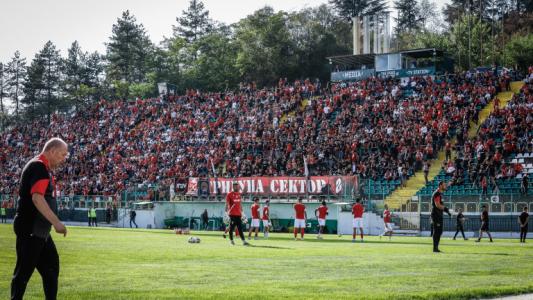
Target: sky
<point>26,25</point>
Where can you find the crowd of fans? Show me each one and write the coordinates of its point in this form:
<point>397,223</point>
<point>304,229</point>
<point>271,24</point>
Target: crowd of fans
<point>378,128</point>
<point>484,159</point>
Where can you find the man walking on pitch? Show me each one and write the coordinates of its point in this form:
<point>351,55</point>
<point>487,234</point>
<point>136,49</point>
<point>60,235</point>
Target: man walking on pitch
<point>523,221</point>
<point>255,219</point>
<point>36,214</point>
<point>299,219</point>
<point>234,210</point>
<point>321,212</point>
<point>437,214</point>
<point>266,218</point>
<point>484,224</point>
<point>133,215</point>
<point>205,220</point>
<point>357,212</point>
<point>460,225</point>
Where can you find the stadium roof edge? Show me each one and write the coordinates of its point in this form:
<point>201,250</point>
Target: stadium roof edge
<point>363,59</point>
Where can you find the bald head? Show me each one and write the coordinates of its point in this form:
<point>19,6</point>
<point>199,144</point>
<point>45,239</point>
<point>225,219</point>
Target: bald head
<point>56,151</point>
<point>54,143</point>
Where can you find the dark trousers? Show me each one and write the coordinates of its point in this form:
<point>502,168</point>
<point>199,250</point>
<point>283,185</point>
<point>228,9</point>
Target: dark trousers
<point>32,253</point>
<point>523,233</point>
<point>461,229</point>
<point>132,220</point>
<point>4,219</point>
<point>437,232</point>
<point>235,222</point>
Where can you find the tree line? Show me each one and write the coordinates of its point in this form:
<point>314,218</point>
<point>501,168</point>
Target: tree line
<point>262,47</point>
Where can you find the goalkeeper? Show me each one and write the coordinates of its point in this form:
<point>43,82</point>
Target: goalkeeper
<point>234,210</point>
<point>437,214</point>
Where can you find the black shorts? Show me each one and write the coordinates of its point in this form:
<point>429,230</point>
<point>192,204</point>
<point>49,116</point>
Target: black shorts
<point>485,226</point>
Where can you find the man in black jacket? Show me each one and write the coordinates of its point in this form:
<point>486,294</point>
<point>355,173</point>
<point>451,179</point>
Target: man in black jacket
<point>437,213</point>
<point>36,214</point>
<point>460,225</point>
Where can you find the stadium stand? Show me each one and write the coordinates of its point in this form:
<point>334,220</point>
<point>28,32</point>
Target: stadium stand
<point>381,129</point>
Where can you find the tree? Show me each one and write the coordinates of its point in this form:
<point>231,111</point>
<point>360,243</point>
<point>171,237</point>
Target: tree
<point>128,51</point>
<point>357,8</point>
<point>91,81</point>
<point>408,16</point>
<point>33,86</point>
<point>472,53</point>
<point>16,74</point>
<point>172,59</point>
<point>194,22</point>
<point>428,16</point>
<point>82,72</point>
<point>52,72</point>
<point>73,68</point>
<point>215,66</point>
<point>3,89</point>
<point>517,52</point>
<point>316,33</point>
<point>42,87</point>
<point>264,46</point>
<point>457,8</point>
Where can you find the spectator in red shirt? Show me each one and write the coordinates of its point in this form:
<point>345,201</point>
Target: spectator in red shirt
<point>255,219</point>
<point>357,212</point>
<point>234,210</point>
<point>300,215</point>
<point>321,212</point>
<point>266,218</point>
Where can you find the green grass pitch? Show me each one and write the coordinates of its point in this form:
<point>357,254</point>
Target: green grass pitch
<point>107,263</point>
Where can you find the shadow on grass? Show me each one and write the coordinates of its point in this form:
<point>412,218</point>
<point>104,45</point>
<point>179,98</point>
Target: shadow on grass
<point>269,247</point>
<point>486,253</point>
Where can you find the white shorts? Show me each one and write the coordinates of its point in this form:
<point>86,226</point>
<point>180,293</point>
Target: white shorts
<point>321,222</point>
<point>255,222</point>
<point>266,223</point>
<point>388,227</point>
<point>357,222</point>
<point>299,223</point>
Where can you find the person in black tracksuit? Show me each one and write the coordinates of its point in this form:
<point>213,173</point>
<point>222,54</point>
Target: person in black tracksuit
<point>484,224</point>
<point>523,221</point>
<point>133,215</point>
<point>460,225</point>
<point>36,214</point>
<point>437,214</point>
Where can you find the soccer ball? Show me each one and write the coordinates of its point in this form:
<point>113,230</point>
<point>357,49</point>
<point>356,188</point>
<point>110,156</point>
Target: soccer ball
<point>194,240</point>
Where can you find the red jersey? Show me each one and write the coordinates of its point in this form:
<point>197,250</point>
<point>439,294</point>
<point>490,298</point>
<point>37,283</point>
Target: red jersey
<point>266,213</point>
<point>357,210</point>
<point>255,211</point>
<point>322,211</point>
<point>233,201</point>
<point>299,209</point>
<point>386,216</point>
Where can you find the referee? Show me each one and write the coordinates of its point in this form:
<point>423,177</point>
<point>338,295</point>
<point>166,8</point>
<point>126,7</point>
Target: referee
<point>36,213</point>
<point>437,214</point>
